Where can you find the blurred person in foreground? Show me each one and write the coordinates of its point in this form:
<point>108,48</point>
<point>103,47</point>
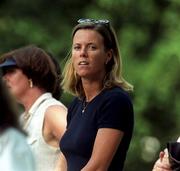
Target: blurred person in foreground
<point>100,119</point>
<point>32,75</point>
<point>15,153</point>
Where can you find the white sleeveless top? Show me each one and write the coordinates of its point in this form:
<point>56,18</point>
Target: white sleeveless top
<point>45,155</point>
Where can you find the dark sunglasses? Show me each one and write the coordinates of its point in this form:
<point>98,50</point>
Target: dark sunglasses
<point>89,20</point>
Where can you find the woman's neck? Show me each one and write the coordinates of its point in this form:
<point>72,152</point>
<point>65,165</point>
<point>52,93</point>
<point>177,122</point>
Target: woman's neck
<point>92,90</point>
<point>30,97</point>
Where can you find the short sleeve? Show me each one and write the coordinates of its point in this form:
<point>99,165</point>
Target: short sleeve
<point>116,112</point>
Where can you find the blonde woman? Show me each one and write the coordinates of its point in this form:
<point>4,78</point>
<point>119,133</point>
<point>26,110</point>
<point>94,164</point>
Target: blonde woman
<point>100,118</point>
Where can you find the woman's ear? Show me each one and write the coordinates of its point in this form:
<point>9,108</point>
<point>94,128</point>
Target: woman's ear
<point>109,56</point>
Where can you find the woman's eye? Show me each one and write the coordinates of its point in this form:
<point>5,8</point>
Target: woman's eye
<point>92,47</point>
<point>76,47</point>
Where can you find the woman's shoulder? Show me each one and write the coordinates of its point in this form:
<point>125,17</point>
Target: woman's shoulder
<point>117,98</point>
<point>14,139</point>
<point>14,133</point>
<point>117,93</point>
<point>50,103</point>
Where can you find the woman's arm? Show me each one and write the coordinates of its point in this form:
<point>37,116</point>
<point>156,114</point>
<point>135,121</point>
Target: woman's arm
<point>61,163</point>
<point>105,146</point>
<point>54,124</point>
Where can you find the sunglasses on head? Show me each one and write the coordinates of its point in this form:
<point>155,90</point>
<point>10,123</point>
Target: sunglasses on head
<point>94,21</point>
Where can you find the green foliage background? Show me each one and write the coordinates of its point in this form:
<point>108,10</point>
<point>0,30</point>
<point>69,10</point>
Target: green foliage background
<point>149,37</point>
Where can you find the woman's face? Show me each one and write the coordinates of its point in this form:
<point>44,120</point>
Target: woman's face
<point>16,81</point>
<point>88,54</point>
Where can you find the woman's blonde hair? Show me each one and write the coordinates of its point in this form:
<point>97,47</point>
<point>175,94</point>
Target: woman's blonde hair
<point>71,82</point>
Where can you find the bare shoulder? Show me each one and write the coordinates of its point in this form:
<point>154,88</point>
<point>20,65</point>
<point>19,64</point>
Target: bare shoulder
<point>56,113</point>
<point>56,108</point>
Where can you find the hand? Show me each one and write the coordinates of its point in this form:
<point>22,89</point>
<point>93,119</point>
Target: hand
<point>162,164</point>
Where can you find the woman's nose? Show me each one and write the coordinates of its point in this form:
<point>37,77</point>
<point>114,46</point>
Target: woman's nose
<point>83,52</point>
